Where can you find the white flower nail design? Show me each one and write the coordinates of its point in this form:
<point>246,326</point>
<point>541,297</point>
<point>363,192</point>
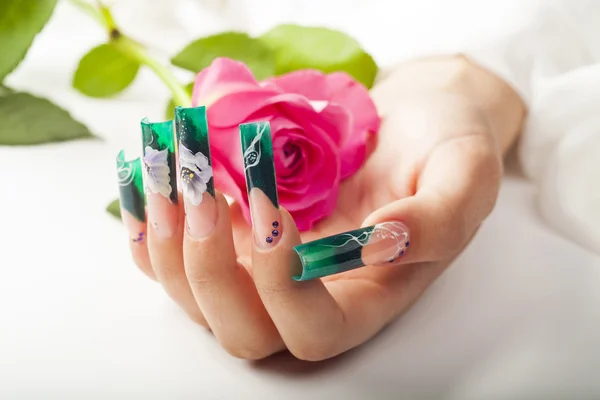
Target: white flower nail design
<point>157,171</point>
<point>195,173</point>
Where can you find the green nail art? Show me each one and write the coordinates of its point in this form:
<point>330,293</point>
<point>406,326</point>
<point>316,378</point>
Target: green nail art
<point>131,186</point>
<point>195,167</point>
<point>159,158</point>
<point>377,244</point>
<point>258,159</point>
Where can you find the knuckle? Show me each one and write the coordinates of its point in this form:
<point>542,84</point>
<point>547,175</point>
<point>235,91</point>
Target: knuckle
<point>311,347</point>
<point>307,351</point>
<point>495,170</point>
<point>200,282</point>
<point>455,227</point>
<point>169,272</point>
<point>487,168</point>
<point>461,209</point>
<point>247,351</point>
<point>273,289</point>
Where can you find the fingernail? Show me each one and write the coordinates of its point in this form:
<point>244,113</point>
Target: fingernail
<point>160,177</point>
<point>257,150</point>
<point>195,170</point>
<point>380,244</point>
<point>131,190</point>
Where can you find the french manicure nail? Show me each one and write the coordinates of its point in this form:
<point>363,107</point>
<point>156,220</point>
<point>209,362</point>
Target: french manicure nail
<point>379,244</point>
<point>257,149</point>
<point>195,170</point>
<point>131,190</point>
<point>160,177</point>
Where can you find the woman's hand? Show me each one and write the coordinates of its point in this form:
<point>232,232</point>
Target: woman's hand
<point>436,167</point>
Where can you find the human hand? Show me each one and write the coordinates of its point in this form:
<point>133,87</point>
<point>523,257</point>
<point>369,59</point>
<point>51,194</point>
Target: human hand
<point>436,169</point>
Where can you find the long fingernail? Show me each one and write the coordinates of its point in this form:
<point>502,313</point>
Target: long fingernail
<point>257,149</point>
<point>195,170</point>
<point>379,244</point>
<point>131,190</point>
<point>161,179</point>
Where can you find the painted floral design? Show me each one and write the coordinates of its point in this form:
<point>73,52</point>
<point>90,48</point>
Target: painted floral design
<point>157,171</point>
<point>195,172</point>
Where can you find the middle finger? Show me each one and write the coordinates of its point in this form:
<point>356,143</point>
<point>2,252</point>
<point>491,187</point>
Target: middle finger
<point>164,233</point>
<point>223,288</point>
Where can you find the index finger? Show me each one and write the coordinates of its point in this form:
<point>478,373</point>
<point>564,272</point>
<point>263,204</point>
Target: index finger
<point>309,319</point>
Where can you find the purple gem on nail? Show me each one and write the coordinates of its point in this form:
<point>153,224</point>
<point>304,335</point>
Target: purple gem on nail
<point>275,232</point>
<point>275,224</point>
<point>401,253</point>
<point>407,244</point>
<point>269,240</point>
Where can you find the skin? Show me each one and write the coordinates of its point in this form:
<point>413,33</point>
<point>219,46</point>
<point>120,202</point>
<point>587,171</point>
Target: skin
<point>436,165</point>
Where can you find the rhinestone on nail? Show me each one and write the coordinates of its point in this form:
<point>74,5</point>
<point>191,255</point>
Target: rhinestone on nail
<point>139,238</point>
<point>275,224</point>
<point>275,232</point>
<point>269,239</point>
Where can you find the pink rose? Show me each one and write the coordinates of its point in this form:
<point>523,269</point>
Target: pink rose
<point>319,124</point>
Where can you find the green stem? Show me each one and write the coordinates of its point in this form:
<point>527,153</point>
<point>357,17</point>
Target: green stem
<point>139,53</point>
<point>89,10</point>
<point>109,21</point>
<point>135,50</point>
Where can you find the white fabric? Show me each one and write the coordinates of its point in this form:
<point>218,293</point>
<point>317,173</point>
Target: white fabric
<point>554,62</point>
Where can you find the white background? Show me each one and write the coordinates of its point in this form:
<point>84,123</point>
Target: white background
<point>516,317</point>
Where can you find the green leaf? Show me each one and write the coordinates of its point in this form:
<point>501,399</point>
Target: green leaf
<point>239,46</point>
<point>170,110</point>
<point>20,21</point>
<point>26,120</point>
<point>104,71</point>
<point>114,208</point>
<point>298,47</point>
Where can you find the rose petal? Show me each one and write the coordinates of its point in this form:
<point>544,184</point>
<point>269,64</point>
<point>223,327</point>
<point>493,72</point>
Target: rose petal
<point>227,163</point>
<point>225,145</point>
<point>223,76</point>
<point>355,97</point>
<point>333,120</point>
<point>306,218</point>
<point>309,83</point>
<point>233,109</point>
<point>328,178</point>
<point>296,166</point>
<point>336,117</point>
<point>278,123</point>
<point>313,154</point>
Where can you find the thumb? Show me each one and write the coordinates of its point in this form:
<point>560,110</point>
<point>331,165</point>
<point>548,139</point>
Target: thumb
<point>456,190</point>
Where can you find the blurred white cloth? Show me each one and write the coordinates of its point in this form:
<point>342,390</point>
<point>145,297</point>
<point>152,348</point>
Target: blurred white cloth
<point>553,61</point>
